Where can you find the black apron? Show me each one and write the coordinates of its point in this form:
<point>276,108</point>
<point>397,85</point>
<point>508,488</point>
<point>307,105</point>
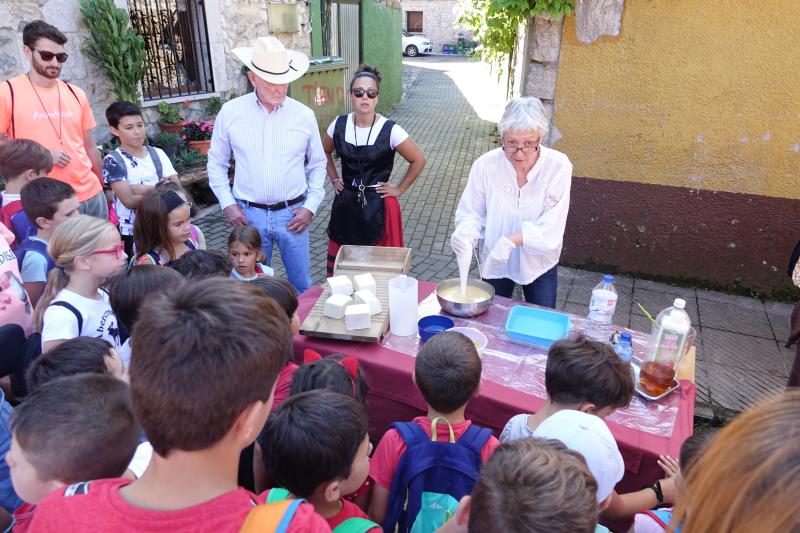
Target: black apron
<point>351,222</point>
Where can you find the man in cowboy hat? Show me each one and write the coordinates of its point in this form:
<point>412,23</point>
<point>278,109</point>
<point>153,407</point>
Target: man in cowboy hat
<point>280,165</point>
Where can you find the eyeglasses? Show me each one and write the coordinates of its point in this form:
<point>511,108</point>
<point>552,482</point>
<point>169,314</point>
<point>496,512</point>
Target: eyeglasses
<point>118,251</point>
<point>371,93</point>
<point>511,147</point>
<point>48,56</point>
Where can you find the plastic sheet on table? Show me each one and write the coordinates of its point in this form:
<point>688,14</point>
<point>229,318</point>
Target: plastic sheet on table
<point>521,366</point>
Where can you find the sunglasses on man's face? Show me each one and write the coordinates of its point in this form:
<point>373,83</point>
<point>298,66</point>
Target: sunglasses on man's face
<point>48,56</point>
<point>359,92</point>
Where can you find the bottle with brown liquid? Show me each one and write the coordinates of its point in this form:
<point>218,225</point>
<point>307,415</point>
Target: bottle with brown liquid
<point>668,343</point>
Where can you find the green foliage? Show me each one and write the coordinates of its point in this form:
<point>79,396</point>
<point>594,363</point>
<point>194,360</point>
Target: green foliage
<point>114,46</point>
<point>165,140</point>
<point>213,105</point>
<point>187,158</point>
<point>494,23</point>
<point>168,113</point>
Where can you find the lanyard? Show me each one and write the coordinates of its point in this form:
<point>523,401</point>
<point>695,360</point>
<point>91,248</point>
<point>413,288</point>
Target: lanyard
<point>362,199</point>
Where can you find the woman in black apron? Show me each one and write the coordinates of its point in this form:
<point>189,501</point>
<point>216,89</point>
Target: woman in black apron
<point>365,210</point>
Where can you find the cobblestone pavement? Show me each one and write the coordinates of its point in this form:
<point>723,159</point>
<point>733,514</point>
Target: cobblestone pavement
<point>450,107</point>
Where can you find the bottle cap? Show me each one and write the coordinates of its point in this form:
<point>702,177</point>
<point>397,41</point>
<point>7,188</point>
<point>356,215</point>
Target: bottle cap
<point>626,337</point>
<point>679,303</point>
<point>608,278</point>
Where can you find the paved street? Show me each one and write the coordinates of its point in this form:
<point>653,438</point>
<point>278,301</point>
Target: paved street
<point>450,108</point>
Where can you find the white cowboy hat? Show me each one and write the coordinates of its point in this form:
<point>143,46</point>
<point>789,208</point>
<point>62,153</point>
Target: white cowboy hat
<point>271,61</point>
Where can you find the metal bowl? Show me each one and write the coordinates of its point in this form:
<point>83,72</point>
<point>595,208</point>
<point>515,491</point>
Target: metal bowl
<point>462,309</point>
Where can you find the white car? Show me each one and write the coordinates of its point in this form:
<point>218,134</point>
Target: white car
<point>413,45</point>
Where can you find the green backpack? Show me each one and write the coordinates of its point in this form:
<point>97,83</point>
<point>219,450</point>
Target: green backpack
<point>351,525</point>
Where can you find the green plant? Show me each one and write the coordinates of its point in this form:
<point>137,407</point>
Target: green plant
<point>494,23</point>
<point>197,130</point>
<point>114,46</point>
<point>213,105</point>
<point>168,113</point>
<point>187,158</point>
<point>165,140</point>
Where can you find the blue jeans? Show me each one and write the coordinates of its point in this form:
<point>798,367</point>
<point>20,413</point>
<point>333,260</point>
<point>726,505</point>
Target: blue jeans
<point>8,498</point>
<point>271,225</point>
<point>541,291</point>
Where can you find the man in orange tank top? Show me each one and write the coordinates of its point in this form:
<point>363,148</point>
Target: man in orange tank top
<point>38,105</point>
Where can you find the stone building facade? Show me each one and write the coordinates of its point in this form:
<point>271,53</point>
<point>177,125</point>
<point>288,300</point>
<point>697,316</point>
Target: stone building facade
<point>230,23</point>
<point>438,21</point>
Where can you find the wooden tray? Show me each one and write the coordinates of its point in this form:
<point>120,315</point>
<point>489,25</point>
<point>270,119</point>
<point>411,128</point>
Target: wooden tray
<point>384,264</point>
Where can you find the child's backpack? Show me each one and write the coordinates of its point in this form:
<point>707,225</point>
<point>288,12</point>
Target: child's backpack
<point>153,155</point>
<point>36,246</point>
<point>351,525</point>
<point>272,517</point>
<point>432,477</point>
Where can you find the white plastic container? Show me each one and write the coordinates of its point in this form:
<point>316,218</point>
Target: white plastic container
<point>403,300</point>
<point>601,310</point>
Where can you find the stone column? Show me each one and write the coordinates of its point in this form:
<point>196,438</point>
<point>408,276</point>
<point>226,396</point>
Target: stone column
<point>540,65</point>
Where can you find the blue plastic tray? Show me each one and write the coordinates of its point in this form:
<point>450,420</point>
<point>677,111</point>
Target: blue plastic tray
<point>536,326</point>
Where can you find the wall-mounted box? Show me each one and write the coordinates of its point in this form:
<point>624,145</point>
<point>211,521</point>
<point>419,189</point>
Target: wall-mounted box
<point>284,18</point>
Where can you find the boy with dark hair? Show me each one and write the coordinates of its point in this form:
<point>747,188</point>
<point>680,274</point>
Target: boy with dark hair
<point>81,355</point>
<point>316,447</point>
<point>21,161</point>
<point>132,169</point>
<point>529,485</point>
<point>71,429</point>
<point>199,264</point>
<point>202,376</point>
<point>47,203</point>
<point>447,372</point>
<point>583,375</point>
<point>127,291</point>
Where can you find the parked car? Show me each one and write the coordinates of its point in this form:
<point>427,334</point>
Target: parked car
<point>413,45</point>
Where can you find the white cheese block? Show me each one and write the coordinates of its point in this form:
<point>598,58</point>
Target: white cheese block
<point>366,297</point>
<point>356,316</point>
<point>365,282</point>
<point>340,285</point>
<point>335,305</point>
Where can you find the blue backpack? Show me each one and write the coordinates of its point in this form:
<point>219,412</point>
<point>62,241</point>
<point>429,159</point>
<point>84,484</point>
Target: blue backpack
<point>432,477</point>
<point>33,245</point>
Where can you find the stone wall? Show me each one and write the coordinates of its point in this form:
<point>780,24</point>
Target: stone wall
<point>231,24</point>
<point>64,14</point>
<point>438,21</point>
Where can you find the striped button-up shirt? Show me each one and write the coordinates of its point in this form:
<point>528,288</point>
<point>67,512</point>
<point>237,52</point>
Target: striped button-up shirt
<point>273,152</point>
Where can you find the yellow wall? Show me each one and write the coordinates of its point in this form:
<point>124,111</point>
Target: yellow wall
<point>693,93</point>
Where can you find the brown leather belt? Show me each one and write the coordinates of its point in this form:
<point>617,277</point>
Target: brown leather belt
<point>275,207</point>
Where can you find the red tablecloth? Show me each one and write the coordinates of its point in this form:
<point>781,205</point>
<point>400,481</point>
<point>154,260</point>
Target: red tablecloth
<point>393,397</point>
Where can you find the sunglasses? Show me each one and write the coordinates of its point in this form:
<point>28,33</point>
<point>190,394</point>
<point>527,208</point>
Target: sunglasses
<point>48,56</point>
<point>118,251</point>
<point>371,93</point>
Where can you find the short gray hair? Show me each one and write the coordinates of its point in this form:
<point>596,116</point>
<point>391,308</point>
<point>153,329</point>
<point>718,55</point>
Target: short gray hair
<point>525,113</point>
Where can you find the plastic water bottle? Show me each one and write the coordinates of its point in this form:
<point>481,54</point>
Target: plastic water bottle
<point>601,310</point>
<point>624,348</point>
<point>669,340</point>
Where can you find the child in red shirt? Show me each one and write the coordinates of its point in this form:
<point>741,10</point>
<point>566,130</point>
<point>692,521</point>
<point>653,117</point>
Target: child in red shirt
<point>447,371</point>
<point>21,160</point>
<point>202,376</point>
<point>316,447</point>
<point>70,429</point>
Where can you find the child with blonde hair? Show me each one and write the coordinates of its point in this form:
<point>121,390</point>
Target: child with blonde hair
<point>86,250</point>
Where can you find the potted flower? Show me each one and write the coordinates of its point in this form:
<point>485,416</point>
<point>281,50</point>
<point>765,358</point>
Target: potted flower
<point>198,135</point>
<point>170,118</point>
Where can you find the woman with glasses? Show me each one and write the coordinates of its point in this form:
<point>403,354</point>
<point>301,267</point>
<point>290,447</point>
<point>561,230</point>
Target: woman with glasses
<point>365,210</point>
<point>517,200</point>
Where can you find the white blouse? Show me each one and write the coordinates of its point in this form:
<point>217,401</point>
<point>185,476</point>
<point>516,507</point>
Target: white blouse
<point>493,206</point>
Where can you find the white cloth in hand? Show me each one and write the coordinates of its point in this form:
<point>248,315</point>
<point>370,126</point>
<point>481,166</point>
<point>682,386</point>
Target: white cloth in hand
<point>463,241</point>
